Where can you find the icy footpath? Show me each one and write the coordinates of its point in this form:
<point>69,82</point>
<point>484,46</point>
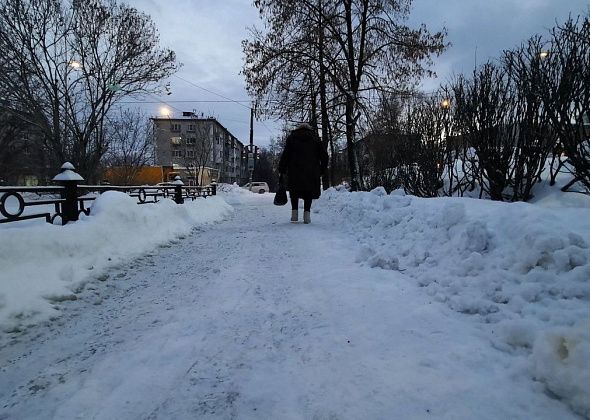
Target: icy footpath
<point>523,269</point>
<point>263,319</point>
<point>42,264</point>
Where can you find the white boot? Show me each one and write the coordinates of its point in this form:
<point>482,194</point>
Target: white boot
<point>306,217</point>
<point>294,215</point>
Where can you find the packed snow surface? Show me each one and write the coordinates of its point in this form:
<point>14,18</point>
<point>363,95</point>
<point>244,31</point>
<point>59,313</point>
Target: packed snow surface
<point>386,306</point>
<point>42,264</point>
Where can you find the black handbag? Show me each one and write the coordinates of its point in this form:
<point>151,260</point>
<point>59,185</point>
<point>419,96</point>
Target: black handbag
<point>281,195</point>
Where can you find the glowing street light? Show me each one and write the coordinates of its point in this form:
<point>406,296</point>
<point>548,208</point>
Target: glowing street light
<point>544,54</point>
<point>76,65</point>
<point>165,111</point>
<point>445,104</point>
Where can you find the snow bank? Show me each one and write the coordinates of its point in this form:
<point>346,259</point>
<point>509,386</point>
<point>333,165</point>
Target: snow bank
<point>43,264</point>
<point>561,358</point>
<point>232,193</point>
<point>522,267</point>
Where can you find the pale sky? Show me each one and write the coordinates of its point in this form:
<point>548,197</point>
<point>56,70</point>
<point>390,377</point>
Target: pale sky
<point>206,36</point>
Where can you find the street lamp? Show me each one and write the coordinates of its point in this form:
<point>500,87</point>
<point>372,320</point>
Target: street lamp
<point>544,54</point>
<point>445,105</point>
<point>76,65</point>
<point>165,111</point>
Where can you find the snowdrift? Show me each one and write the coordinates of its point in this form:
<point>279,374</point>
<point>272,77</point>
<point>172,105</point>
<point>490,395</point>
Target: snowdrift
<point>42,264</point>
<point>525,268</point>
<point>233,193</point>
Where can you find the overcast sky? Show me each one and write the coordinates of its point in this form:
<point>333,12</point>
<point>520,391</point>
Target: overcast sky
<point>206,36</point>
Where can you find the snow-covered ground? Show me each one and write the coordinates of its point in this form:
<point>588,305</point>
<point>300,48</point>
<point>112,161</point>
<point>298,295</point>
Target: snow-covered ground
<point>520,268</point>
<point>43,264</point>
<point>386,306</point>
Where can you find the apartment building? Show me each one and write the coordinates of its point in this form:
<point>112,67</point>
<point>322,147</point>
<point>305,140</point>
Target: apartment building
<point>200,150</point>
<point>23,158</point>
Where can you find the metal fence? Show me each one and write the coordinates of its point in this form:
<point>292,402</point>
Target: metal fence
<point>70,198</point>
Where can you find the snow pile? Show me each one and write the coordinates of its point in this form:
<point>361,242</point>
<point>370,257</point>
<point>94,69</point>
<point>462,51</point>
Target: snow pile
<point>524,268</point>
<point>232,193</point>
<point>43,264</point>
<point>561,358</point>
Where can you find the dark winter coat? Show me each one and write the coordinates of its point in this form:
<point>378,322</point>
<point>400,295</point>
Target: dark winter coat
<point>303,160</point>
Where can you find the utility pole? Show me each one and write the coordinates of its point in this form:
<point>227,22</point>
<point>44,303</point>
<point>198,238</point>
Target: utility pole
<point>251,127</point>
<point>251,148</point>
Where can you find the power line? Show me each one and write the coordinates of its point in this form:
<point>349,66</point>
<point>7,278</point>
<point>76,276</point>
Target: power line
<point>168,103</point>
<point>180,101</point>
<point>226,100</point>
<point>164,102</point>
<point>267,129</point>
<point>210,91</point>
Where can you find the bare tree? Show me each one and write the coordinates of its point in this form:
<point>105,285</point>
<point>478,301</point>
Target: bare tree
<point>130,145</point>
<point>425,149</point>
<point>66,64</point>
<point>376,51</point>
<point>380,149</point>
<point>364,47</point>
<point>286,68</point>
<point>197,149</point>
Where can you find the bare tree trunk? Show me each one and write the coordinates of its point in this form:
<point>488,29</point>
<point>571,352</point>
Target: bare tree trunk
<point>327,180</point>
<point>355,184</point>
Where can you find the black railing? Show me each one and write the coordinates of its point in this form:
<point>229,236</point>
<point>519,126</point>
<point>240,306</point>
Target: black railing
<point>70,199</point>
<point>14,201</point>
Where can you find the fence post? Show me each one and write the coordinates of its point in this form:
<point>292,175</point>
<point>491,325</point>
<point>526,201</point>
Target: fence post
<point>178,190</point>
<point>214,188</point>
<point>69,178</point>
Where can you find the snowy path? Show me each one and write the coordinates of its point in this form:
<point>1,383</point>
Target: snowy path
<point>259,318</point>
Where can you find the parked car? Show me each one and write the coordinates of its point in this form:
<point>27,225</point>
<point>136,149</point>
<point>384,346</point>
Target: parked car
<point>257,187</point>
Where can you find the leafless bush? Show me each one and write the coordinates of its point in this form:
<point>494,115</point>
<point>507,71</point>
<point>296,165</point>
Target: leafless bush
<point>566,93</point>
<point>535,139</point>
<point>486,116</point>
<point>425,149</point>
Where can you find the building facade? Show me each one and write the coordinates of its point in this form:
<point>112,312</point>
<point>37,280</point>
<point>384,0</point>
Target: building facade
<point>200,150</point>
<point>23,158</point>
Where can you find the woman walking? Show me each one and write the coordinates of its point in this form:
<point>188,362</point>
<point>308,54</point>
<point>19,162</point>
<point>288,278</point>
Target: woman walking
<point>303,160</point>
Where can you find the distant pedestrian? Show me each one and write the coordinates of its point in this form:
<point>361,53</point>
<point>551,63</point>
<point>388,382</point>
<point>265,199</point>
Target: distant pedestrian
<point>303,160</point>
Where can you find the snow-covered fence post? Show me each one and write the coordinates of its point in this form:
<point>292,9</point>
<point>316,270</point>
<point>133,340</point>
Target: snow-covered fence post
<point>178,190</point>
<point>69,178</point>
<point>214,188</point>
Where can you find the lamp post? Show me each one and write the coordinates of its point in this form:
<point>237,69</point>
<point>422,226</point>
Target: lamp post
<point>446,106</point>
